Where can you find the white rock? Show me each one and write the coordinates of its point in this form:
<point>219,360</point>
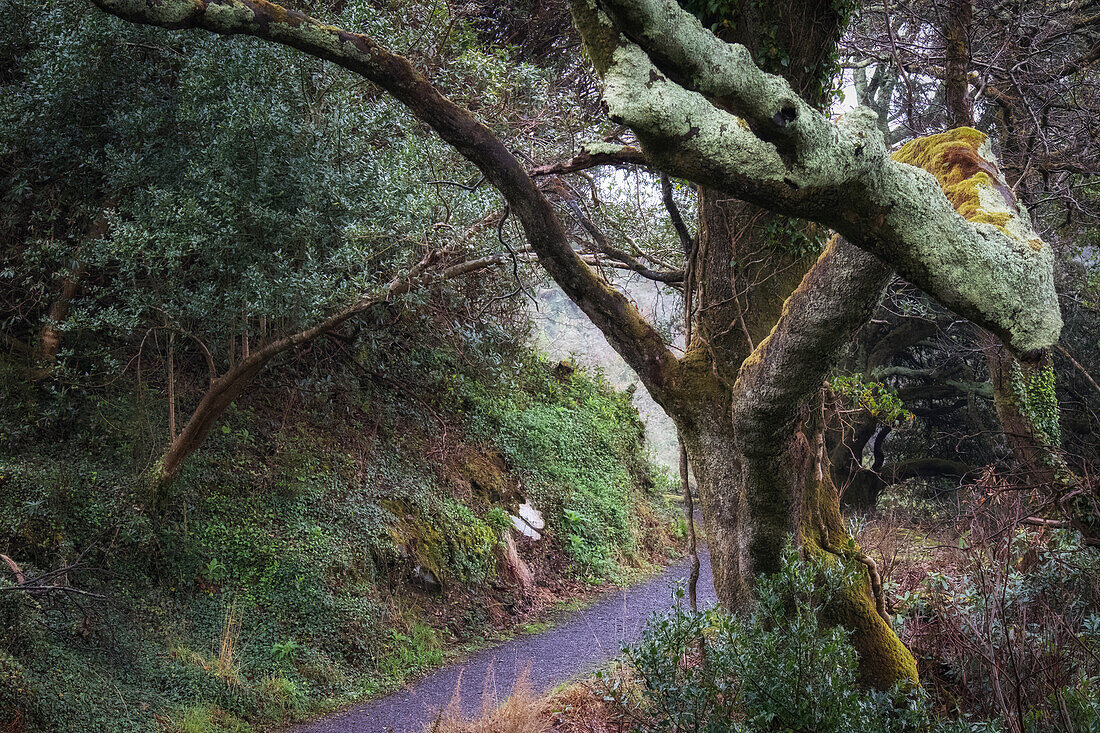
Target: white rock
<point>523,528</point>
<point>425,576</point>
<point>531,515</point>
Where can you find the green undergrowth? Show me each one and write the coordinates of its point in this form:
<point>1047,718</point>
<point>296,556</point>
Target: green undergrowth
<point>280,577</point>
<point>574,443</point>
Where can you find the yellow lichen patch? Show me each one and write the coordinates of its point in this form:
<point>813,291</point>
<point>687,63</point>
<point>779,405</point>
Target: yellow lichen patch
<point>962,163</point>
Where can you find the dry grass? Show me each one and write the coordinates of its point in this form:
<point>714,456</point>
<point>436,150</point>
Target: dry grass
<point>522,712</point>
<point>226,665</point>
<point>579,708</point>
<point>188,655</point>
<point>612,701</point>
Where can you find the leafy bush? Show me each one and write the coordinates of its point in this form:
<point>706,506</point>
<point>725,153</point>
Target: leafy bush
<point>775,668</point>
<point>1006,628</point>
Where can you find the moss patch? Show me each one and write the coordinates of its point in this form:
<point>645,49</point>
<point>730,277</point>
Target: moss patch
<point>961,161</point>
<point>489,478</point>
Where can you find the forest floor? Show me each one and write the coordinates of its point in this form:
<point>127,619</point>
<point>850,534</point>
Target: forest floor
<point>578,644</point>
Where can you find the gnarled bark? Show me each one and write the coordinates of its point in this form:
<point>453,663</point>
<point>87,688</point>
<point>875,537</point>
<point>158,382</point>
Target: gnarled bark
<point>663,71</point>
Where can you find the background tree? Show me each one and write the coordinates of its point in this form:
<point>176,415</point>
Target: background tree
<point>928,65</point>
<point>121,256</point>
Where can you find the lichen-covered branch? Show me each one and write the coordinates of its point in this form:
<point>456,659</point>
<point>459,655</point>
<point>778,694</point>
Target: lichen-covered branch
<point>635,339</point>
<point>836,298</point>
<point>703,111</point>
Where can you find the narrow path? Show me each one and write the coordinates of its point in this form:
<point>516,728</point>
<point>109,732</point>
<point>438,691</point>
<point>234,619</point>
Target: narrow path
<point>587,639</point>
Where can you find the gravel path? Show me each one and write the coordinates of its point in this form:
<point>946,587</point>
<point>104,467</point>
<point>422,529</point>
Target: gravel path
<point>586,640</point>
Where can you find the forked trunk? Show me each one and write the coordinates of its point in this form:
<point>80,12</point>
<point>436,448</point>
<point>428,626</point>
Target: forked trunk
<point>749,410</point>
<point>755,506</point>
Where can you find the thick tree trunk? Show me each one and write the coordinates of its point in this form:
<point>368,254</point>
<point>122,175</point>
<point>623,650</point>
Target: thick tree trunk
<point>755,438</point>
<point>706,428</point>
<point>1031,445</point>
<point>755,506</point>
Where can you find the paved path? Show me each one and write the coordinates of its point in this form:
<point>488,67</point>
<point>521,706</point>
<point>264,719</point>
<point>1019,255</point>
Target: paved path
<point>586,640</point>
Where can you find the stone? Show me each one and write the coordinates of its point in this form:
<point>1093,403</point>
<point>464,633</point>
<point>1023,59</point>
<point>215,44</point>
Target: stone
<point>524,528</point>
<point>531,515</point>
<point>426,578</point>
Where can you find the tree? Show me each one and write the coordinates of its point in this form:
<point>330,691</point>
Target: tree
<point>703,111</point>
<point>124,149</point>
<point>1027,75</point>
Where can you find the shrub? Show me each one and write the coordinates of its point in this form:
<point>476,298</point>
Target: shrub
<point>1006,627</point>
<point>774,668</point>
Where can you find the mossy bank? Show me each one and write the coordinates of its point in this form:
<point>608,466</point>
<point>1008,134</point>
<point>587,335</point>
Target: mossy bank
<point>334,537</point>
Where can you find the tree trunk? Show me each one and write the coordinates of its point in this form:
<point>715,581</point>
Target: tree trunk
<point>755,437</point>
<point>754,506</point>
<point>48,344</point>
<point>706,428</point>
<point>1017,391</point>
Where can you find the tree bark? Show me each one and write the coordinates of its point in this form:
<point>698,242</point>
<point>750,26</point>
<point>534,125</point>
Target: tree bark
<point>956,34</point>
<point>761,467</point>
<point>778,417</point>
<point>1030,444</point>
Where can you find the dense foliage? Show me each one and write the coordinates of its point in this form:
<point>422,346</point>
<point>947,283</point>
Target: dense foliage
<point>1006,662</point>
<point>172,202</point>
<point>282,577</point>
<point>774,668</point>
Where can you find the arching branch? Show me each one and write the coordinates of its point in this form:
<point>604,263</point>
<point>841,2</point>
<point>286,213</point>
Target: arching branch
<point>625,328</point>
<point>223,390</point>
